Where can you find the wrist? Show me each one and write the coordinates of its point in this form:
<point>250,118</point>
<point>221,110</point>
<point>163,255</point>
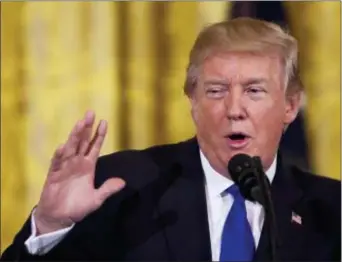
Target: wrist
<point>45,225</point>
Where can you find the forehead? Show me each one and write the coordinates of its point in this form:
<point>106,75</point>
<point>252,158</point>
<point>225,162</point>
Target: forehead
<point>240,66</point>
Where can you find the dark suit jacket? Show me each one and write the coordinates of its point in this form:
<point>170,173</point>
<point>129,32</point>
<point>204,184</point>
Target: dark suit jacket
<point>161,214</point>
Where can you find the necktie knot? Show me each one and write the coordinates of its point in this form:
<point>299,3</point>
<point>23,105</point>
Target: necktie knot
<point>234,191</point>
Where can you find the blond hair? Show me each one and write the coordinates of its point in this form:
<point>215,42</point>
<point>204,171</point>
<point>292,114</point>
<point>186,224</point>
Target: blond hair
<point>245,35</point>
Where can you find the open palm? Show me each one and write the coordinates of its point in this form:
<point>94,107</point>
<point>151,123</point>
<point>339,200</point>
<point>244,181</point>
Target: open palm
<point>68,194</point>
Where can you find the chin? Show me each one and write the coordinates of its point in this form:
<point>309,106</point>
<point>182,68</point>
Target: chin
<point>234,152</point>
<point>225,158</point>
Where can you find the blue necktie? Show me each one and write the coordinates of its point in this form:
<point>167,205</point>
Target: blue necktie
<point>237,242</point>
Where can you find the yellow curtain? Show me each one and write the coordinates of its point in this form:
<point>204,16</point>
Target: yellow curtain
<point>124,60</point>
<point>104,89</point>
<point>178,119</point>
<point>13,135</point>
<point>57,61</point>
<point>140,101</point>
<point>68,69</point>
<point>213,12</point>
<point>317,25</point>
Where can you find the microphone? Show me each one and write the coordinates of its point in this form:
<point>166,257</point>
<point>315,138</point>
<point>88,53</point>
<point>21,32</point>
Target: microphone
<point>242,169</point>
<point>247,173</point>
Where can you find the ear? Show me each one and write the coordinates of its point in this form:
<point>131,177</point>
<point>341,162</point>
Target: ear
<point>193,105</point>
<point>293,105</point>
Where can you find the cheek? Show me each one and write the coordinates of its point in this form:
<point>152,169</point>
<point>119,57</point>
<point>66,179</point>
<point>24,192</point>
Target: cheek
<point>268,120</point>
<point>267,114</point>
<point>209,114</point>
<point>272,107</point>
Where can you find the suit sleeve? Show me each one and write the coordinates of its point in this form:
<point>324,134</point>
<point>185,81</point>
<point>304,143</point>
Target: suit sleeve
<point>93,238</point>
<point>40,245</point>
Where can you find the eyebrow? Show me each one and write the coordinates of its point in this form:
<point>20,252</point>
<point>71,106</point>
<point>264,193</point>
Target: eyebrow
<point>252,81</point>
<point>249,81</point>
<point>216,82</point>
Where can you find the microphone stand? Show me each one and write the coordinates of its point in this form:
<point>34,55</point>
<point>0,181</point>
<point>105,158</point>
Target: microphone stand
<point>268,206</point>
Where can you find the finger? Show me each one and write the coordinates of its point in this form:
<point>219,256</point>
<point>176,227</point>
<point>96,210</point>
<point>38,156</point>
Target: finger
<point>86,133</point>
<point>56,160</point>
<point>96,143</point>
<point>74,139</point>
<point>111,186</point>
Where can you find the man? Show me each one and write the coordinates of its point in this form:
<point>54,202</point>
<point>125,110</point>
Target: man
<point>176,202</point>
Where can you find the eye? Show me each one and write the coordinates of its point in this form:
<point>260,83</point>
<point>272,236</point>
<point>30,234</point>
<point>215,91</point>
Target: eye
<point>216,91</point>
<point>213,91</point>
<point>255,91</point>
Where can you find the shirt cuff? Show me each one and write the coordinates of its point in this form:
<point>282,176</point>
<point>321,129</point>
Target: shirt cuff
<point>42,244</point>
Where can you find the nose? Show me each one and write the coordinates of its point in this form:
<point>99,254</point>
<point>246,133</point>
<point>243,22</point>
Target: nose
<point>234,105</point>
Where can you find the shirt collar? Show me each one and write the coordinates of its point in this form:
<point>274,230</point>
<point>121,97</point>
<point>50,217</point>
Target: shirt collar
<point>216,183</point>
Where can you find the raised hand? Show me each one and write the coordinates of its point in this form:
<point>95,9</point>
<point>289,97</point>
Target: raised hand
<point>68,194</point>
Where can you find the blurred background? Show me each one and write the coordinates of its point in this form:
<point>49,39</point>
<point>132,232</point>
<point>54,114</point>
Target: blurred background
<point>126,61</point>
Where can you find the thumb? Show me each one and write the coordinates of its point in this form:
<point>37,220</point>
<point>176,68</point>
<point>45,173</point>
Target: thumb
<point>111,186</point>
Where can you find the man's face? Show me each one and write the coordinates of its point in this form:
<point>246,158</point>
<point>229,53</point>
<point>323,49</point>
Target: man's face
<point>239,106</point>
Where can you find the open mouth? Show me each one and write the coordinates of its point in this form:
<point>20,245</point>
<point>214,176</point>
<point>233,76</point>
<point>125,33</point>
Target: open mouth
<point>238,140</point>
<point>237,137</point>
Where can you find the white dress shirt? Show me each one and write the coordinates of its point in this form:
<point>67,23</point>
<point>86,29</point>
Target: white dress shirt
<point>218,208</point>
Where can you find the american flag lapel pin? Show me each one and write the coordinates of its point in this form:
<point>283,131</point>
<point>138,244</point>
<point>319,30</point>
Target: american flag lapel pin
<point>296,218</point>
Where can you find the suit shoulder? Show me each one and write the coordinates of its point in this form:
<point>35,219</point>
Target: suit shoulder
<point>135,163</point>
<point>321,190</point>
<point>309,179</point>
<point>132,156</point>
<point>316,182</point>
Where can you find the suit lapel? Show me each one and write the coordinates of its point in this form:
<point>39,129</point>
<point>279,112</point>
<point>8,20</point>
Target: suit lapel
<point>189,237</point>
<point>286,196</point>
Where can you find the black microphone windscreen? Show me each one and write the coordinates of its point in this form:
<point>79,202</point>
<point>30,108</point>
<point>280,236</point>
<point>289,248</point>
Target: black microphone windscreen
<point>241,170</point>
<point>238,164</point>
